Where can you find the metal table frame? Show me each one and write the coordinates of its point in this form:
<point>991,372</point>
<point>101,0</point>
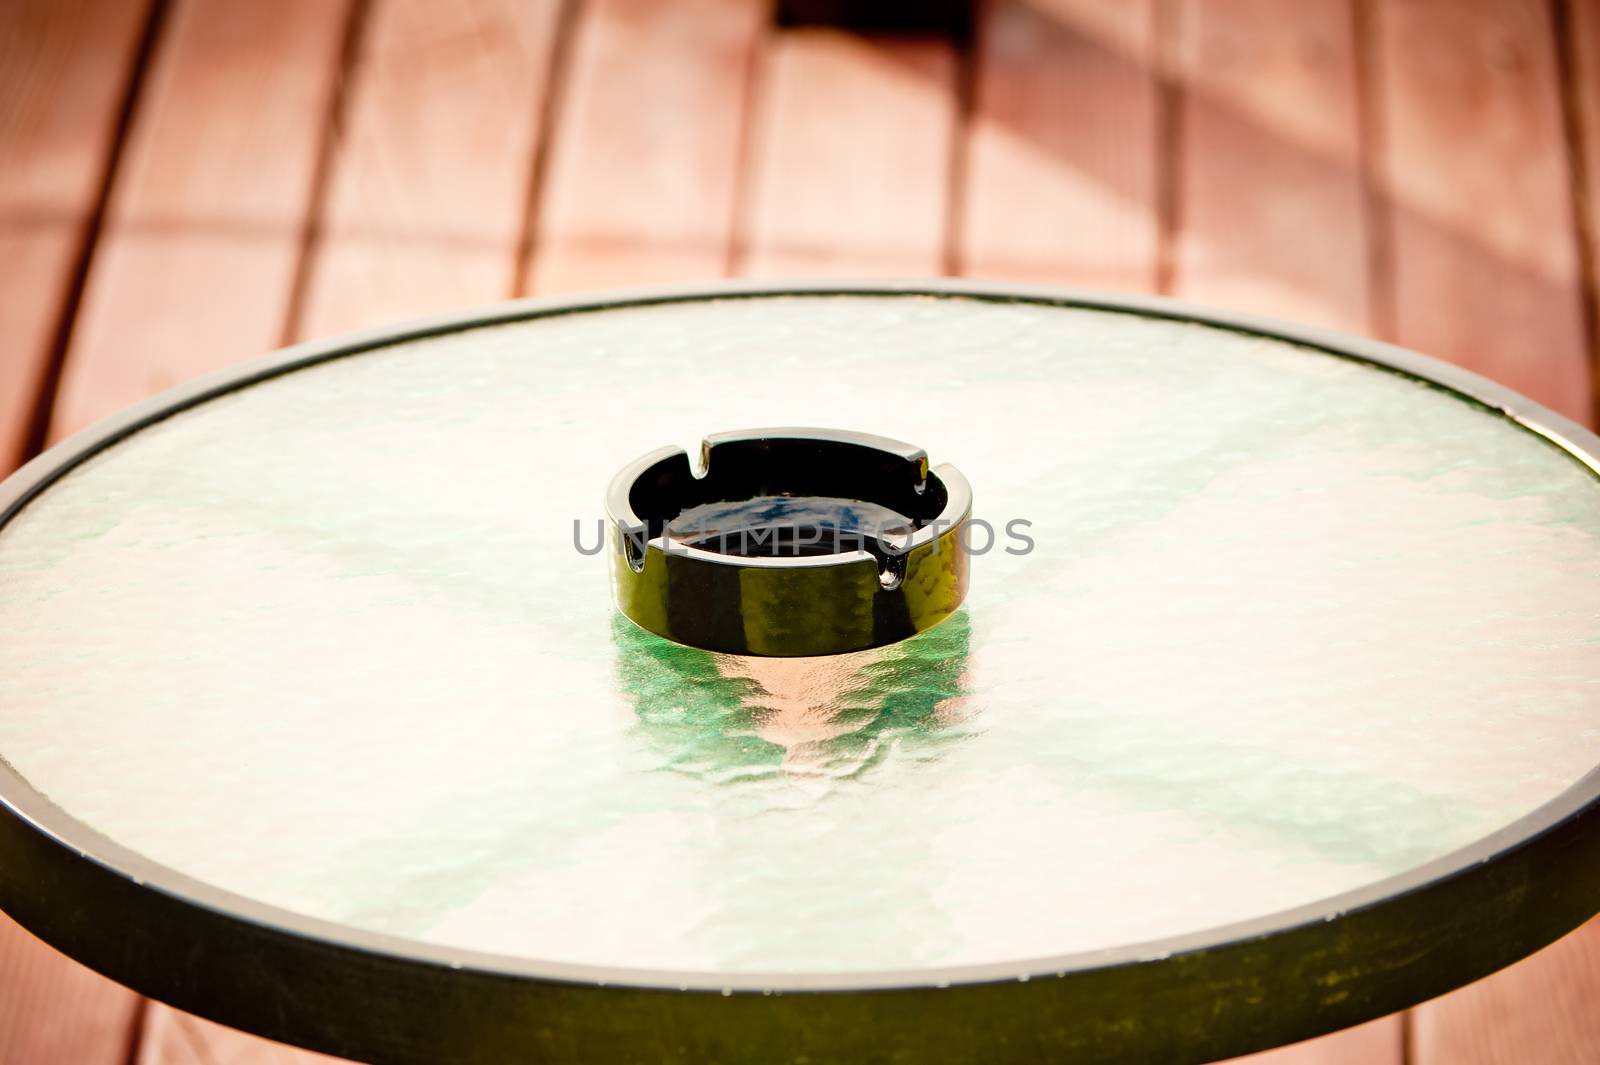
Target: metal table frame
<point>1217,993</point>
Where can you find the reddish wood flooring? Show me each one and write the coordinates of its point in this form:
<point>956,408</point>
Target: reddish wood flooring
<point>187,183</point>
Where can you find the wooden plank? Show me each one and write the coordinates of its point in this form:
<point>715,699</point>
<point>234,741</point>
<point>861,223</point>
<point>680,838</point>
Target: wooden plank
<point>1062,165</point>
<point>644,168</point>
<point>173,1038</point>
<point>1540,1011</point>
<point>1580,41</point>
<point>430,179</point>
<point>1480,218</point>
<point>64,74</point>
<point>1380,1042</point>
<point>54,1011</point>
<point>1270,197</point>
<point>850,161</point>
<point>195,265</point>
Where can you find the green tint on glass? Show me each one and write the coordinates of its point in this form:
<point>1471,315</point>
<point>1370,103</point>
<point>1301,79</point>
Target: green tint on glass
<point>725,718</point>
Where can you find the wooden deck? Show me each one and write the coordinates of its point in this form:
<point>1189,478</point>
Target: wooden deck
<point>186,183</point>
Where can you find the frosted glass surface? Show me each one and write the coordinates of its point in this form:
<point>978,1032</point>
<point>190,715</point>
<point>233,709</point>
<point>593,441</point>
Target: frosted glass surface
<point>1292,624</point>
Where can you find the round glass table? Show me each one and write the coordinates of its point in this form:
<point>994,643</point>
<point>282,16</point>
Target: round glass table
<point>1274,704</point>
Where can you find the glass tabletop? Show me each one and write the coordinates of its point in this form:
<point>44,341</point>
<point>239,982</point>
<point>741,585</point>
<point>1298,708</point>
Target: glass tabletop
<point>1257,626</point>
